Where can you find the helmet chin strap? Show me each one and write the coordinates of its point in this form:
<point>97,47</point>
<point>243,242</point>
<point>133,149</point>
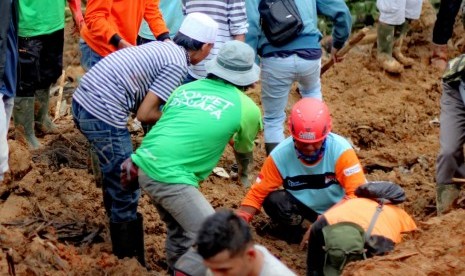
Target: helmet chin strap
<point>312,158</point>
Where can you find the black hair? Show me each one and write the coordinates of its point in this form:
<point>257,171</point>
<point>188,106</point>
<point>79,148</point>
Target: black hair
<point>223,230</point>
<point>187,42</point>
<point>240,87</point>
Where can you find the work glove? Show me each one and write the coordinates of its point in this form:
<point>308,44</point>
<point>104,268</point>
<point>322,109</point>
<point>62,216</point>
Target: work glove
<point>244,162</point>
<point>246,216</point>
<point>129,175</point>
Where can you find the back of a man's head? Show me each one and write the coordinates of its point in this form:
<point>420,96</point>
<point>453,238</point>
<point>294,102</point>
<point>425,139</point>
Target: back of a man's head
<point>223,230</point>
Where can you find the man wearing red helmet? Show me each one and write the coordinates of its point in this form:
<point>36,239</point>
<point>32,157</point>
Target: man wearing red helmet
<point>316,168</point>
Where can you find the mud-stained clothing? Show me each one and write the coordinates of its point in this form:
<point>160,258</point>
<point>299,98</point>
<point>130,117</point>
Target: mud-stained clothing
<point>198,121</point>
<point>106,95</point>
<point>184,146</point>
<point>8,74</point>
<point>318,186</point>
<point>450,162</point>
<point>388,229</point>
<point>41,39</point>
<point>107,22</point>
<point>41,61</point>
<point>117,84</point>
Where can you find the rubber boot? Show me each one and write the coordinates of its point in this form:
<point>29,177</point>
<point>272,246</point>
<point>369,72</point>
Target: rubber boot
<point>127,239</point>
<point>439,56</point>
<point>269,147</point>
<point>23,116</point>
<point>385,45</point>
<point>244,162</point>
<point>400,32</point>
<point>446,194</point>
<point>190,264</point>
<point>292,234</point>
<point>43,122</point>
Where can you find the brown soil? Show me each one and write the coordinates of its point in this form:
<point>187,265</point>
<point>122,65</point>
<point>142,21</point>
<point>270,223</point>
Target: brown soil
<point>52,221</point>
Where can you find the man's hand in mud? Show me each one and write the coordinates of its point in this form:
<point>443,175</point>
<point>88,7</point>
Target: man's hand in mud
<point>305,239</point>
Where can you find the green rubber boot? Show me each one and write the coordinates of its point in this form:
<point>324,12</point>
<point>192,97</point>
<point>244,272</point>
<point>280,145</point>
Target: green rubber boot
<point>446,194</point>
<point>399,35</point>
<point>244,162</point>
<point>23,116</point>
<point>43,122</point>
<point>385,47</point>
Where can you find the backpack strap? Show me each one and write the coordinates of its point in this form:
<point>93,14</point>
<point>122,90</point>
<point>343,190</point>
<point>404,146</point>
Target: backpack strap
<point>373,220</point>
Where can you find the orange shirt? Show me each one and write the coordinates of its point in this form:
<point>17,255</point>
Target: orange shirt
<point>105,18</point>
<point>391,223</point>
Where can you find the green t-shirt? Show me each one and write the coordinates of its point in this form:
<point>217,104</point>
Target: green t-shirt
<point>40,17</point>
<point>197,122</point>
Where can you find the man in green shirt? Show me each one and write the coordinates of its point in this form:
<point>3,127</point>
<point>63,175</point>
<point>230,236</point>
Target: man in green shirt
<point>198,121</point>
<point>41,38</point>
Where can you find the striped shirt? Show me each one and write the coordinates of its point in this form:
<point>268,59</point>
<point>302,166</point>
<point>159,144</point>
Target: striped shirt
<point>117,84</point>
<point>231,17</point>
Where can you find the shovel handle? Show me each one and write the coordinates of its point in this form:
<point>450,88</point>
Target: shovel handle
<point>344,50</point>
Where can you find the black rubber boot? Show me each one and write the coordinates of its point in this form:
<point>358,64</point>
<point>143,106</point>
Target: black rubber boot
<point>292,234</point>
<point>127,239</point>
<point>269,147</point>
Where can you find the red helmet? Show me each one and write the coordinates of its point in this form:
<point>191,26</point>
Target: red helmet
<point>309,121</point>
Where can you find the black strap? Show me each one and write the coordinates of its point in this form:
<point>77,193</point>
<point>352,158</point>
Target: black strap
<point>373,220</point>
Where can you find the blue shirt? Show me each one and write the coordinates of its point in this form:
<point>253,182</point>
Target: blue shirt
<point>9,78</point>
<point>172,15</point>
<point>315,186</point>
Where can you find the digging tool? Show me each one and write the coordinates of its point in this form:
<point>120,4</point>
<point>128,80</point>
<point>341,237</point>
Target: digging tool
<point>60,95</point>
<point>458,180</point>
<point>344,50</point>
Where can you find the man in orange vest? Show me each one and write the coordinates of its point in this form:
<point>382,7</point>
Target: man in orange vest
<point>358,228</point>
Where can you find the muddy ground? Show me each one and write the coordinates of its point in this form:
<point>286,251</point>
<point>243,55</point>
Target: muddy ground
<point>52,221</point>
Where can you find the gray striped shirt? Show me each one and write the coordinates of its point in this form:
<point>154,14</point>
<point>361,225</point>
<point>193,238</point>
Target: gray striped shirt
<point>117,84</point>
<point>231,17</point>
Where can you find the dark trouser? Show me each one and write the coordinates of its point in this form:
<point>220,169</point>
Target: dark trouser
<point>445,20</point>
<point>450,162</point>
<point>41,62</point>
<point>141,40</point>
<point>316,254</point>
<point>284,208</point>
<point>112,146</point>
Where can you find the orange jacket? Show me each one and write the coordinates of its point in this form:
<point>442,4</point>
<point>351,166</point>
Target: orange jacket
<point>391,223</point>
<point>106,18</point>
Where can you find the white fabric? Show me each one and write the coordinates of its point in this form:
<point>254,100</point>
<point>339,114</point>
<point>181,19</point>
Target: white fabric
<point>200,27</point>
<point>231,17</point>
<point>394,12</point>
<point>271,265</point>
<point>6,107</point>
<point>235,63</point>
